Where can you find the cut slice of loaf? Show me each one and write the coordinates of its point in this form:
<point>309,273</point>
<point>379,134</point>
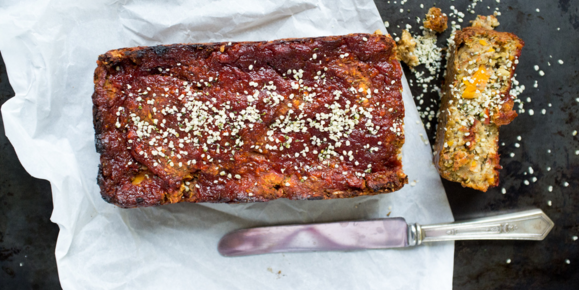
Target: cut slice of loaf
<point>476,101</point>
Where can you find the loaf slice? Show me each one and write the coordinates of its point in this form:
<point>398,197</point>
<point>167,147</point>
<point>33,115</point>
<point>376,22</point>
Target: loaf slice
<point>476,101</point>
<point>312,118</point>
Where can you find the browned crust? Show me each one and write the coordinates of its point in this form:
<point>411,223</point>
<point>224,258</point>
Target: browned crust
<point>167,191</point>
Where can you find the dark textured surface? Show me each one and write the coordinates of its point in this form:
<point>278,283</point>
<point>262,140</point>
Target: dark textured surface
<point>534,265</point>
<point>27,236</point>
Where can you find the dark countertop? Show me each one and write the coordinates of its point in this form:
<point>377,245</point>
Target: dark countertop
<point>28,238</point>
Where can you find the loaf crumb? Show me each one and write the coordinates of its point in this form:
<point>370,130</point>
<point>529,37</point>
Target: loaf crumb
<point>436,20</point>
<point>487,22</point>
<point>406,48</point>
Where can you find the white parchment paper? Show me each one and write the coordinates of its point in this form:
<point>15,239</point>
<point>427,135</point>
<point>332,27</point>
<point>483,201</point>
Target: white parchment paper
<point>50,49</point>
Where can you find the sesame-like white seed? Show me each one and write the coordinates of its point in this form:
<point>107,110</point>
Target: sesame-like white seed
<point>504,190</point>
<point>549,203</point>
<point>508,260</point>
<point>560,61</point>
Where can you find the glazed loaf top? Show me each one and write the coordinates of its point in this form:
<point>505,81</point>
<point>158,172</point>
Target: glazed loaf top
<point>310,118</point>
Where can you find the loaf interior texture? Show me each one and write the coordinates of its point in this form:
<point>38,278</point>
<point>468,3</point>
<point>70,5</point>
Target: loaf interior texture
<point>313,118</point>
<point>476,101</point>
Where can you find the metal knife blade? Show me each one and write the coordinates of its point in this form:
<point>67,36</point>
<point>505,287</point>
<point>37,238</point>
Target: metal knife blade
<point>382,233</point>
<point>354,235</point>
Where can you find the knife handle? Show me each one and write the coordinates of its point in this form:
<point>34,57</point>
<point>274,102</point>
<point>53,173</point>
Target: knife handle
<point>526,225</point>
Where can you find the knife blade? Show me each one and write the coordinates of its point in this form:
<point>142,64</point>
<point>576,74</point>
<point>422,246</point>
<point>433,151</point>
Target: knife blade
<point>381,234</point>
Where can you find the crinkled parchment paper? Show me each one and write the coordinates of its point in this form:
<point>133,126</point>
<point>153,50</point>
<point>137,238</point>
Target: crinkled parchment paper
<point>50,49</point>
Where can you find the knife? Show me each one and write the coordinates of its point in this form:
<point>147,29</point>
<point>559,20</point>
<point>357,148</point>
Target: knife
<point>381,234</point>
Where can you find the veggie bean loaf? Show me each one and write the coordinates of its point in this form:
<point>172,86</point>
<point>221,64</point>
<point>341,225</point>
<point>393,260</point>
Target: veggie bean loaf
<point>312,118</point>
